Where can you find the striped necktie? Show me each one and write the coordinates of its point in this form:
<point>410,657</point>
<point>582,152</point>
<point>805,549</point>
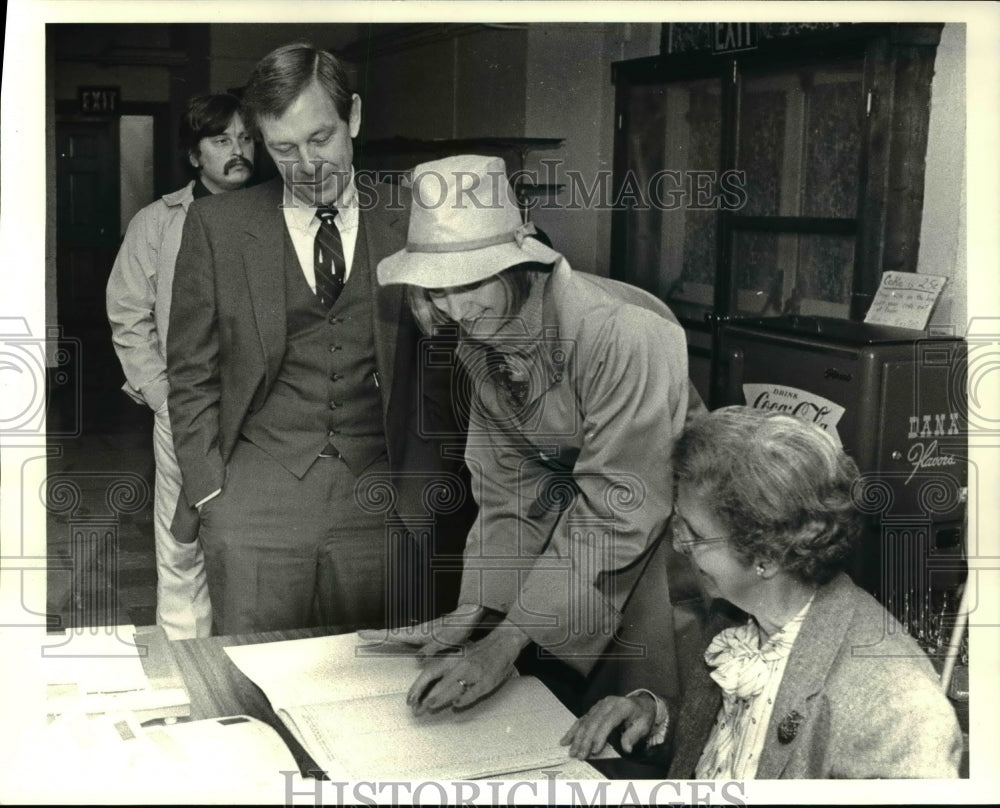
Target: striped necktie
<point>328,258</point>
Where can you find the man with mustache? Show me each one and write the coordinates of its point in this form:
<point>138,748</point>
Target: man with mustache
<point>307,431</point>
<point>220,153</point>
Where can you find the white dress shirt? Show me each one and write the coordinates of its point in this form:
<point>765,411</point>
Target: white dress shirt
<point>303,224</point>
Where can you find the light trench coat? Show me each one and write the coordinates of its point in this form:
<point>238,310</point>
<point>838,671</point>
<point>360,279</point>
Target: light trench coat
<point>138,294</point>
<point>578,485</point>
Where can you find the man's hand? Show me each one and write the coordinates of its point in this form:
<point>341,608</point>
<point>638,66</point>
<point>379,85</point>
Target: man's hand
<point>434,637</point>
<point>460,678</point>
<point>589,734</point>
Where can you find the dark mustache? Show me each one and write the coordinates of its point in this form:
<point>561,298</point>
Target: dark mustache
<point>233,162</point>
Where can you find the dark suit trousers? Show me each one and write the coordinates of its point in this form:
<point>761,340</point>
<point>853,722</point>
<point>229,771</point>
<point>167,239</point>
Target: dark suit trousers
<point>281,552</point>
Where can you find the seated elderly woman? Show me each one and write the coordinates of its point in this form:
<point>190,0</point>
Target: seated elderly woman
<point>820,681</point>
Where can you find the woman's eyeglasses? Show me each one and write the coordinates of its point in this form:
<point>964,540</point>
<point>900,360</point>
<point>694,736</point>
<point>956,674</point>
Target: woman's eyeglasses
<point>685,537</point>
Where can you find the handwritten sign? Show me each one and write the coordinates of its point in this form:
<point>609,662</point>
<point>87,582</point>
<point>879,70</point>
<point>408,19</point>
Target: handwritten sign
<point>905,299</point>
<point>800,403</point>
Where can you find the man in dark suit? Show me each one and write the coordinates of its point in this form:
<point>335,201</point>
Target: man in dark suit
<point>294,396</point>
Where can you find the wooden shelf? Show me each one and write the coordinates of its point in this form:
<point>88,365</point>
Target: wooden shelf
<point>459,145</point>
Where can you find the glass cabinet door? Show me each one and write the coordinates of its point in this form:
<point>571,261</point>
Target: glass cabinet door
<point>779,201</point>
<point>777,181</point>
<point>798,144</point>
<point>669,188</point>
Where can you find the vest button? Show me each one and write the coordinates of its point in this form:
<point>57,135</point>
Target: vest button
<point>336,377</point>
<point>334,348</point>
<point>333,433</point>
<point>334,320</point>
<point>334,405</point>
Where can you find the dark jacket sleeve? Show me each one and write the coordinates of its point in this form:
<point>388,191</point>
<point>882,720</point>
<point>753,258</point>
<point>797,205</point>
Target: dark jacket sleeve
<point>193,363</point>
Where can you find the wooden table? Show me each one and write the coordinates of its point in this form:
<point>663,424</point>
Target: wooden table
<point>218,688</point>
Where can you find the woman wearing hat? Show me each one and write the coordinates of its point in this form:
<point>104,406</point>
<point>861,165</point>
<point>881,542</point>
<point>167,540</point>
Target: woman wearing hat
<point>818,681</point>
<point>577,387</point>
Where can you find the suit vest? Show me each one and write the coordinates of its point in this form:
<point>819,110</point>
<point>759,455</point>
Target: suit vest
<point>327,391</point>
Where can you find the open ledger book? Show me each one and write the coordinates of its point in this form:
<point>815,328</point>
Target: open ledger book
<point>345,702</point>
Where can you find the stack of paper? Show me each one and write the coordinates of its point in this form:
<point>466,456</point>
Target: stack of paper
<point>111,758</point>
<point>113,669</point>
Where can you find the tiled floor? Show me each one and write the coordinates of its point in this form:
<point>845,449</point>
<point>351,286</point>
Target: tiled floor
<point>101,566</point>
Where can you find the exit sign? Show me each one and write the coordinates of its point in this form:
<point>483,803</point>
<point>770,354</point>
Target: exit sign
<point>98,100</point>
<point>734,36</point>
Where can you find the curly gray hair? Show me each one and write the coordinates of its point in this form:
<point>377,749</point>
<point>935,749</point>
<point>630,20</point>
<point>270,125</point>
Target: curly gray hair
<point>781,485</point>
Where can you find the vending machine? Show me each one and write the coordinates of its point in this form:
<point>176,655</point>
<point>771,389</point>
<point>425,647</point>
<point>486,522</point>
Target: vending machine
<point>896,400</point>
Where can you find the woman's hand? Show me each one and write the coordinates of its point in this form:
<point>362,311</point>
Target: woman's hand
<point>462,677</point>
<point>446,633</point>
<point>589,734</point>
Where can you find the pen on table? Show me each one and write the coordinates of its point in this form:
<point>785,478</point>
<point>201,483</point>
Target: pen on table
<point>116,692</point>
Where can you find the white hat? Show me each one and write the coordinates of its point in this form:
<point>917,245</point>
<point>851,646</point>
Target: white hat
<point>465,226</point>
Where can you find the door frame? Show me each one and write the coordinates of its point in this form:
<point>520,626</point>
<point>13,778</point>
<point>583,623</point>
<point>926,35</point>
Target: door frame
<point>164,137</point>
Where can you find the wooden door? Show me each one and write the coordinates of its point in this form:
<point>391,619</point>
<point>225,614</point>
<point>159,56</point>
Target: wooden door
<point>87,218</point>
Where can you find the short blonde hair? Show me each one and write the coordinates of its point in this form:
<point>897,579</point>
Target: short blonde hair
<point>517,280</point>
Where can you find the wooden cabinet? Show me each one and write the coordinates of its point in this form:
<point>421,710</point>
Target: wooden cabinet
<point>779,180</point>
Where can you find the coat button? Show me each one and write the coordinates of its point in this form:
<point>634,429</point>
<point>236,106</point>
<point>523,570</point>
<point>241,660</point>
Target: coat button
<point>334,348</point>
<point>336,377</point>
<point>334,405</point>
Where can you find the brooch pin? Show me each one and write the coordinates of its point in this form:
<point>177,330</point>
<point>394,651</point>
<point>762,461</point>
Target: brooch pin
<point>789,726</point>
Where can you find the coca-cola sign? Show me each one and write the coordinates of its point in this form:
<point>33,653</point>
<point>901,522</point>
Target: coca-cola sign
<point>793,401</point>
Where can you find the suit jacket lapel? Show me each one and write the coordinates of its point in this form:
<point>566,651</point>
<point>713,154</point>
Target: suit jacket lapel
<point>264,265</point>
<point>822,635</point>
<point>381,228</point>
